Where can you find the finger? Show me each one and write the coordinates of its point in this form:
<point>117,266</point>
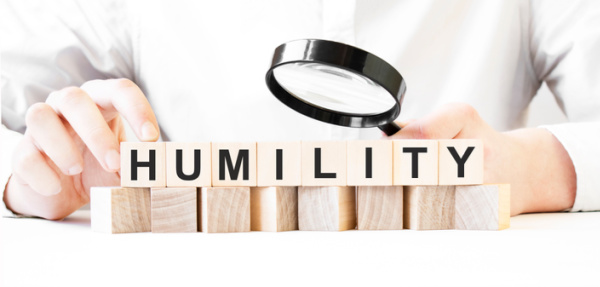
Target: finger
<point>51,136</point>
<point>30,165</point>
<point>122,96</point>
<point>448,122</point>
<point>84,116</point>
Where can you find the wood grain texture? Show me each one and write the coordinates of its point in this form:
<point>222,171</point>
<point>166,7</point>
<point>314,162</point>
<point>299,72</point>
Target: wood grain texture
<point>188,151</point>
<point>225,209</point>
<point>327,208</point>
<point>143,173</point>
<point>449,173</point>
<point>333,161</point>
<point>429,207</point>
<point>174,209</point>
<point>274,208</point>
<point>234,149</point>
<point>291,164</point>
<point>482,207</point>
<point>381,158</point>
<point>380,207</point>
<point>120,209</point>
<point>427,161</point>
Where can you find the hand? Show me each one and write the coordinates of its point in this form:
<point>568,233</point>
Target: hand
<point>72,143</point>
<point>533,161</point>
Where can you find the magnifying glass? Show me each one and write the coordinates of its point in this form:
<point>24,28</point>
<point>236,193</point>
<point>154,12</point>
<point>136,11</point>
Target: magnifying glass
<point>337,84</point>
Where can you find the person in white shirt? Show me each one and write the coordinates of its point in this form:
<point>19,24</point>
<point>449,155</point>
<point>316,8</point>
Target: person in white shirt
<point>194,71</point>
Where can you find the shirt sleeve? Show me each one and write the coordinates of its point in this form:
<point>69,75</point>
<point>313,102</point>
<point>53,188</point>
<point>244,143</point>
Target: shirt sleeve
<point>565,49</point>
<point>50,45</point>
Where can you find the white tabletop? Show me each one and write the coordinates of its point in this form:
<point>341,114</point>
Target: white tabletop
<point>557,249</point>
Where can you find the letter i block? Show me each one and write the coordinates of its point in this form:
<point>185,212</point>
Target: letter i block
<point>326,208</point>
<point>120,210</point>
<point>324,163</point>
<point>274,208</point>
<point>429,207</point>
<point>174,209</point>
<point>188,164</point>
<point>415,162</point>
<point>461,162</point>
<point>143,164</point>
<point>370,163</point>
<point>234,164</point>
<point>225,209</point>
<point>482,207</point>
<point>279,164</point>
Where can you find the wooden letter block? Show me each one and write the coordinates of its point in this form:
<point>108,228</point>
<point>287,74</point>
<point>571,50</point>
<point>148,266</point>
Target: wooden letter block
<point>429,207</point>
<point>324,163</point>
<point>225,209</point>
<point>370,163</point>
<point>380,207</point>
<point>279,164</point>
<point>461,162</point>
<point>327,208</point>
<point>415,162</point>
<point>188,164</point>
<point>174,209</point>
<point>482,207</point>
<point>120,210</point>
<point>143,164</point>
<point>234,164</point>
<point>274,208</point>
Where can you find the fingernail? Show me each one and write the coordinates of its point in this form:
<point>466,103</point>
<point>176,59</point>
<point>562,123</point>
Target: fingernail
<point>77,169</point>
<point>149,132</point>
<point>113,160</point>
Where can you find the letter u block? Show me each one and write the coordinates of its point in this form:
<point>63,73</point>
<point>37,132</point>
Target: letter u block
<point>234,164</point>
<point>188,164</point>
<point>143,164</point>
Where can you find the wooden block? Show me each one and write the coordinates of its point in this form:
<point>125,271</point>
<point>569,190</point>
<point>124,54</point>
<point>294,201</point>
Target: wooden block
<point>379,207</point>
<point>369,163</point>
<point>274,208</point>
<point>174,209</point>
<point>461,162</point>
<point>415,162</point>
<point>143,164</point>
<point>429,207</point>
<point>120,209</point>
<point>188,164</point>
<point>279,164</point>
<point>326,208</point>
<point>234,164</point>
<point>225,209</point>
<point>482,207</point>
<point>324,163</point>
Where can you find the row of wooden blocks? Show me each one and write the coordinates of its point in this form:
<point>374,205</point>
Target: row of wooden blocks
<point>329,208</point>
<point>307,163</point>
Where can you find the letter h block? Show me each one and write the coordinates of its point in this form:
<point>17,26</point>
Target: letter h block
<point>143,164</point>
<point>234,164</point>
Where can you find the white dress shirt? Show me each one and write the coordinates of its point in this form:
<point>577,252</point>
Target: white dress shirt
<point>202,63</point>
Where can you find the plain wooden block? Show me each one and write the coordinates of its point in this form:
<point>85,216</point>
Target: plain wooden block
<point>369,163</point>
<point>188,164</point>
<point>279,164</point>
<point>482,207</point>
<point>415,162</point>
<point>174,209</point>
<point>274,208</point>
<point>120,209</point>
<point>429,207</point>
<point>461,162</point>
<point>380,207</point>
<point>234,164</point>
<point>143,164</point>
<point>225,209</point>
<point>324,163</point>
<point>326,208</point>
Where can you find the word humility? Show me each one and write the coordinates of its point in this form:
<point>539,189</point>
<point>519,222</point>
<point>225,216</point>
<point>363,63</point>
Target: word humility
<point>307,163</point>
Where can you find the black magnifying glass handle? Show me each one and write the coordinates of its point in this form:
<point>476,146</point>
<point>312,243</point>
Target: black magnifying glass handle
<point>390,128</point>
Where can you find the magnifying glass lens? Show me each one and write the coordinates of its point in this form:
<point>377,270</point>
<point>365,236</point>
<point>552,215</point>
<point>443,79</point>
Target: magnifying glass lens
<point>333,88</point>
